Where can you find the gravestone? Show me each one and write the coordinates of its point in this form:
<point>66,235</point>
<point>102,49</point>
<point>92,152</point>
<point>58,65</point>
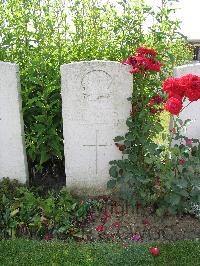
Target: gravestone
<point>12,154</point>
<point>94,109</point>
<point>193,110</point>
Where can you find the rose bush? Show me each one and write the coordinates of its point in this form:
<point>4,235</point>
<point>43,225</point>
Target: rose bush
<point>164,176</point>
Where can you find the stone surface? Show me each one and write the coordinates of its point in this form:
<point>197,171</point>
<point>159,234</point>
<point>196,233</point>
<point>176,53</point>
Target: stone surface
<point>95,109</point>
<point>193,110</point>
<point>13,162</point>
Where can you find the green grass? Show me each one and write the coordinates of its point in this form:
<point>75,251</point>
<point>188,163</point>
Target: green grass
<point>27,252</point>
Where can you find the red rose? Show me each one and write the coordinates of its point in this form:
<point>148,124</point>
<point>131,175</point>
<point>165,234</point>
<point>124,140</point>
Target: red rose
<point>152,64</point>
<point>130,61</point>
<point>134,61</point>
<point>192,94</point>
<point>157,99</point>
<point>134,70</point>
<point>173,87</point>
<point>99,228</point>
<point>143,61</point>
<point>176,96</point>
<point>156,184</point>
<point>151,103</point>
<point>189,142</point>
<point>173,105</point>
<point>182,161</point>
<point>192,82</point>
<point>153,111</point>
<point>146,51</point>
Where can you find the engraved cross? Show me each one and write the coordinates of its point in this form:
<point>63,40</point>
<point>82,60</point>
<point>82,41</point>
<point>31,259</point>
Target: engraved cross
<point>96,150</point>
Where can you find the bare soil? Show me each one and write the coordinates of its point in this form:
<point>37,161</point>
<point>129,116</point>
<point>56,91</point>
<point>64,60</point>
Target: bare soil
<point>117,222</point>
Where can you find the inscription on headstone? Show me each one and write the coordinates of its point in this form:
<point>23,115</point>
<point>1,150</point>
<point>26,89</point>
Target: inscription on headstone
<point>95,109</point>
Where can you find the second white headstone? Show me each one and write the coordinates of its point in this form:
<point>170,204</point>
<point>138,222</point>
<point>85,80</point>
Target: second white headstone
<point>94,109</point>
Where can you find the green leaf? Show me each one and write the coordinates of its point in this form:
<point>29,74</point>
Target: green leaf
<point>118,138</point>
<point>111,184</point>
<point>130,136</point>
<point>113,171</point>
<point>175,199</point>
<point>13,213</point>
<point>44,157</point>
<point>181,183</point>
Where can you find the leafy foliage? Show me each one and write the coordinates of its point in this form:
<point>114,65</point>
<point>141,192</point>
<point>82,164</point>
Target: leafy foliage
<point>42,35</point>
<point>24,213</point>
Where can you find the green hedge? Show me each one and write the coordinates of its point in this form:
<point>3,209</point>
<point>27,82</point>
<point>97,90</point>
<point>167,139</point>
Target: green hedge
<point>42,35</point>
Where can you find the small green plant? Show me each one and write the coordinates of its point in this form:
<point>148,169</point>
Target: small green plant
<point>23,213</point>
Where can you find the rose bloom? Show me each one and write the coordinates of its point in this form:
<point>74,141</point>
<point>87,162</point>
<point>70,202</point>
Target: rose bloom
<point>182,161</point>
<point>152,64</point>
<point>193,94</point>
<point>151,103</point>
<point>130,61</point>
<point>189,142</point>
<point>134,60</point>
<point>143,61</point>
<point>176,96</point>
<point>157,99</point>
<point>153,111</point>
<point>173,87</point>
<point>146,51</point>
<point>173,105</point>
<point>134,70</point>
<point>192,85</point>
<point>169,84</point>
<point>99,228</point>
<point>156,184</point>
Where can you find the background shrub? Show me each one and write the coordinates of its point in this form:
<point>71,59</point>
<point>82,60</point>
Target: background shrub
<point>42,35</point>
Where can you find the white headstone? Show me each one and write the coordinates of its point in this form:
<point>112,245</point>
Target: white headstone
<point>13,162</point>
<point>94,109</point>
<point>193,110</point>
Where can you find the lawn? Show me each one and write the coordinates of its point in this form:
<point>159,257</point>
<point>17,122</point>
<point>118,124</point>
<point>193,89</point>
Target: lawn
<point>28,252</point>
